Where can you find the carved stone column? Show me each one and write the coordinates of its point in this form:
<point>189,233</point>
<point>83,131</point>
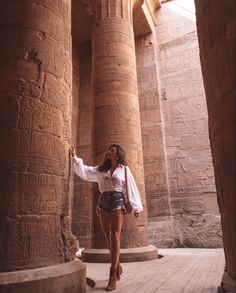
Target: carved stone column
<point>116,115</point>
<point>217,40</point>
<point>35,113</point>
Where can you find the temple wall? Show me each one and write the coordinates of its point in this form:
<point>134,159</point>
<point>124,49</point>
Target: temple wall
<point>190,170</point>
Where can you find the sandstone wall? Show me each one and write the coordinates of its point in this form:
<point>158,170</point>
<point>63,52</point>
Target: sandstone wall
<point>190,171</point>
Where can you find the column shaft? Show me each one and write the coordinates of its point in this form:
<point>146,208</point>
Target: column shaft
<point>217,52</point>
<point>115,92</point>
<point>35,106</point>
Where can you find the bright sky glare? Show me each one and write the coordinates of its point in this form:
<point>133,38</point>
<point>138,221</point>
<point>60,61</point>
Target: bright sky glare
<point>184,7</point>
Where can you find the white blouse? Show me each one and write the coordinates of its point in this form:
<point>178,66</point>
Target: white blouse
<point>108,182</point>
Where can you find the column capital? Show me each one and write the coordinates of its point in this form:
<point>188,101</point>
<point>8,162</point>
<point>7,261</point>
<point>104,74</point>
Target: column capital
<point>90,4</point>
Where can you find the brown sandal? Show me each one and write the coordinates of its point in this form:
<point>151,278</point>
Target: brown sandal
<point>119,271</point>
<point>112,280</point>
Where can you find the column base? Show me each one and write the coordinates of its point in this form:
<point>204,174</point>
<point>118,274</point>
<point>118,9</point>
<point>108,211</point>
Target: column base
<point>66,277</point>
<point>227,284</point>
<point>126,254</point>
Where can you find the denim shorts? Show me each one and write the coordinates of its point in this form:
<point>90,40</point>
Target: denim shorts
<point>111,201</point>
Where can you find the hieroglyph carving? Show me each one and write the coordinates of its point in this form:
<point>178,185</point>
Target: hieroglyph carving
<point>111,8</point>
<point>35,133</point>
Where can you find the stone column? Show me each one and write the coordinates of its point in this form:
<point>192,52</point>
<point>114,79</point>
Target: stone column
<point>35,113</point>
<point>116,105</point>
<point>216,32</point>
<point>160,222</point>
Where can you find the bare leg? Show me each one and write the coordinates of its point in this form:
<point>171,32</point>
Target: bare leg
<point>105,221</point>
<point>117,219</point>
<point>111,226</point>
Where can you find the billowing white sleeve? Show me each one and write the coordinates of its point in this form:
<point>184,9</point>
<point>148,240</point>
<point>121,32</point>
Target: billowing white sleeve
<point>87,173</point>
<point>134,195</point>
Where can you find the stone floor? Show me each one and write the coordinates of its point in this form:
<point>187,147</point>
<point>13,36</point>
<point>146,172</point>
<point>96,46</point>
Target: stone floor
<point>181,270</point>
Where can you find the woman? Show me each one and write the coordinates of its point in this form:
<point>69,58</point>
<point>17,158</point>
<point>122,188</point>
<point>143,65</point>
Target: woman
<point>111,177</point>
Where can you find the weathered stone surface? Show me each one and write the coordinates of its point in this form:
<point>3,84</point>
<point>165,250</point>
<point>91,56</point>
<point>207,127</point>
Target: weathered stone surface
<point>197,231</point>
<point>61,278</point>
<point>35,133</point>
<point>35,103</point>
<point>161,232</point>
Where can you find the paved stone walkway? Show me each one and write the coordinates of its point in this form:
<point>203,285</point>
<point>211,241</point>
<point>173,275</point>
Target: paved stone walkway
<point>180,270</point>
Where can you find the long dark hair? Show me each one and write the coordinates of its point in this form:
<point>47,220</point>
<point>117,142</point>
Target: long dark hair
<point>106,165</point>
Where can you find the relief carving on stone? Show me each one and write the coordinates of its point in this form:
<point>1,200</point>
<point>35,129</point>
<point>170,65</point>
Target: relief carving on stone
<point>91,3</point>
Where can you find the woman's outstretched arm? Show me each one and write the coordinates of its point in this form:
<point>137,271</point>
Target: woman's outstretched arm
<point>87,173</point>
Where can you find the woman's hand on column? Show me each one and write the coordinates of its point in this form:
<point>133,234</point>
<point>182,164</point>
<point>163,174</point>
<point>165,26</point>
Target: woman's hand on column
<point>72,151</point>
